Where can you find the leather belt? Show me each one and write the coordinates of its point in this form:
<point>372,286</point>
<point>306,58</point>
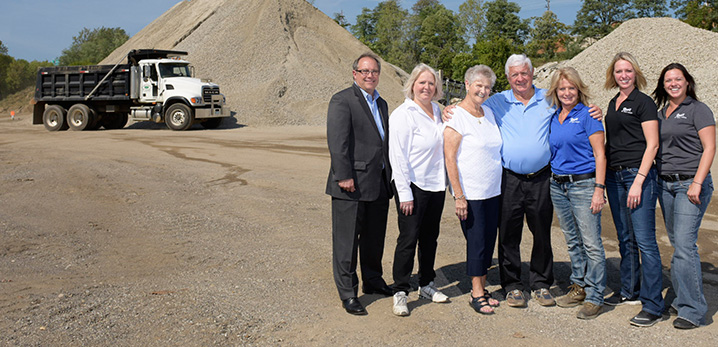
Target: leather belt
<point>531,175</point>
<point>618,168</point>
<point>675,177</point>
<point>572,178</point>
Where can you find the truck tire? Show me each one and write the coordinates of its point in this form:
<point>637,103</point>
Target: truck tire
<point>212,123</point>
<point>114,120</point>
<point>179,117</point>
<point>54,118</point>
<point>80,117</point>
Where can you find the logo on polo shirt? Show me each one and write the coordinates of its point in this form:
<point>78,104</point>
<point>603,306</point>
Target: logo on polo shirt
<point>627,110</point>
<point>574,120</point>
<point>681,116</point>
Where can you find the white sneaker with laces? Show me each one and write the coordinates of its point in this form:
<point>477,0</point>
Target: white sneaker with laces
<point>430,292</point>
<point>400,308</point>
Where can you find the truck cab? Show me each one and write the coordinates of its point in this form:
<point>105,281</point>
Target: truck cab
<point>154,85</point>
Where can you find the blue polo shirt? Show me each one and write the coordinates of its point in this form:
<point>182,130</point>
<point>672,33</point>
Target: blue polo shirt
<point>524,130</point>
<point>571,151</point>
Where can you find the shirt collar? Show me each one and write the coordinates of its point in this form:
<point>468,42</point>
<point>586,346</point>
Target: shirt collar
<point>370,98</point>
<point>539,94</point>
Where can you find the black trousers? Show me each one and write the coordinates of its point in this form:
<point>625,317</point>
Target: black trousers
<point>422,228</point>
<point>358,227</point>
<point>530,197</point>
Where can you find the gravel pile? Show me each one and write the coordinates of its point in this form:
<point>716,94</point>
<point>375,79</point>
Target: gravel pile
<point>655,42</point>
<point>277,61</point>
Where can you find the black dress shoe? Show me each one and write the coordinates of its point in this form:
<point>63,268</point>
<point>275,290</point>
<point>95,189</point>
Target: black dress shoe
<point>384,290</point>
<point>353,306</point>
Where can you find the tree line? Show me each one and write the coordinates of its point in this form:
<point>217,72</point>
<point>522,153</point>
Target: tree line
<point>488,32</point>
<point>89,47</point>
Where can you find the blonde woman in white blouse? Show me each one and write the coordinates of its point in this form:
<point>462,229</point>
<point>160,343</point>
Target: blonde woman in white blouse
<point>417,160</point>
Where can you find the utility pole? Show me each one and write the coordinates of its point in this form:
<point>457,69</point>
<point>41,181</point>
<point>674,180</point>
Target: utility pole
<point>548,5</point>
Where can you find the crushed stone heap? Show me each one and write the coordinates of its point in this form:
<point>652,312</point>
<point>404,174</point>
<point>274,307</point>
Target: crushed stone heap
<point>277,61</point>
<point>655,42</point>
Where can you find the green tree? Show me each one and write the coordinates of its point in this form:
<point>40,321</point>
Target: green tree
<point>597,18</point>
<point>547,35</point>
<point>440,39</point>
<point>364,29</point>
<point>340,19</point>
<point>3,49</point>
<point>391,34</point>
<point>471,18</point>
<point>91,46</point>
<point>650,8</point>
<point>494,53</point>
<point>698,13</point>
<point>502,20</point>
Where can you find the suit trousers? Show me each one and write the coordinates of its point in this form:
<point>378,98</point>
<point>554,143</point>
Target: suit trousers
<point>358,226</point>
<point>521,195</point>
<point>421,227</point>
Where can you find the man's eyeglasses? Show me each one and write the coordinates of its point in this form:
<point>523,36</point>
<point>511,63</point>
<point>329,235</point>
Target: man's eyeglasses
<point>367,72</point>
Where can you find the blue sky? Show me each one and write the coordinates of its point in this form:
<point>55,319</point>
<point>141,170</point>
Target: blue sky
<point>41,29</point>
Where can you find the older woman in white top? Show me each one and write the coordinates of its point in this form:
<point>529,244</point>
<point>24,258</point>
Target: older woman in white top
<point>472,147</point>
<point>417,160</point>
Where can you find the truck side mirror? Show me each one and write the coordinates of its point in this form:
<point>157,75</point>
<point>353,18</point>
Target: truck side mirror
<point>146,72</point>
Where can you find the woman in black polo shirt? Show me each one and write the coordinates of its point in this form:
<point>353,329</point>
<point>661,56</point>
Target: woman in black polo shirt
<point>631,146</point>
<point>688,146</point>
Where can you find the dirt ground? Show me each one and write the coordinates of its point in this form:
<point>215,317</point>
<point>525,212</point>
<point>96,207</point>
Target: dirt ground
<point>145,236</point>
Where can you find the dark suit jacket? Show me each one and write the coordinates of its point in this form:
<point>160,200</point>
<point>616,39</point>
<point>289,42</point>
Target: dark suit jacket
<point>356,148</point>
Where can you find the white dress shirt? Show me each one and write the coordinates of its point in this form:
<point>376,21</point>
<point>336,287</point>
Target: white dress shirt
<point>416,149</point>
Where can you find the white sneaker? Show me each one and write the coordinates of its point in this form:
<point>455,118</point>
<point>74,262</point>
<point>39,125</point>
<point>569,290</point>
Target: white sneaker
<point>430,292</point>
<point>400,308</point>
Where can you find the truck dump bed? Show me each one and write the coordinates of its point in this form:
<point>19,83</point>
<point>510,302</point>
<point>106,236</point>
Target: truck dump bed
<point>75,83</point>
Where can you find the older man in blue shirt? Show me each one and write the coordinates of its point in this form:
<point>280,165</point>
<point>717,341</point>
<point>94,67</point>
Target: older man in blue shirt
<point>523,115</point>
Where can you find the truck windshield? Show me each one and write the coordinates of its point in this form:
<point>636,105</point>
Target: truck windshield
<point>174,70</point>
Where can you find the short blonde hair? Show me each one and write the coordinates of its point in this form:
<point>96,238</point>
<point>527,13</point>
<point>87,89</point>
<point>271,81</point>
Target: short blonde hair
<point>418,70</point>
<point>571,75</point>
<point>640,82</point>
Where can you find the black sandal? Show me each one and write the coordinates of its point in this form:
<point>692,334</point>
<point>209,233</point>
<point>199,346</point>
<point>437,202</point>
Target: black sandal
<point>478,303</point>
<point>488,298</point>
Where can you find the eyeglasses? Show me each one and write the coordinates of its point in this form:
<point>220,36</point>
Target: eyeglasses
<point>367,72</point>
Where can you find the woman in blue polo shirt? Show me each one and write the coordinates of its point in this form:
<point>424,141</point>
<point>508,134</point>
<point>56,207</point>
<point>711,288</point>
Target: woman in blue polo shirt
<point>631,147</point>
<point>688,146</point>
<point>578,166</point>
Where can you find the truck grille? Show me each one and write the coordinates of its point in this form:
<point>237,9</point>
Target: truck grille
<point>207,93</point>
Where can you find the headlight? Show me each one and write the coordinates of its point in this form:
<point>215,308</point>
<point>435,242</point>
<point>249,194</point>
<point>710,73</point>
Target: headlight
<point>196,100</point>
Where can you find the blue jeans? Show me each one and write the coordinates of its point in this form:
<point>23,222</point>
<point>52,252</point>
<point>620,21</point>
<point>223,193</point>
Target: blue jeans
<point>641,277</point>
<point>683,218</point>
<point>582,230</point>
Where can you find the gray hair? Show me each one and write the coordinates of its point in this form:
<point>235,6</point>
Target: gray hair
<point>518,60</point>
<point>476,71</point>
<point>418,70</point>
<point>365,55</point>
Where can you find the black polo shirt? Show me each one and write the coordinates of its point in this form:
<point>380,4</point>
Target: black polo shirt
<point>625,142</point>
<point>681,147</point>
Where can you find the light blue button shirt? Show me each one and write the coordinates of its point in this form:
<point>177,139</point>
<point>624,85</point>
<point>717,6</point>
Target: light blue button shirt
<point>371,101</point>
<point>524,130</point>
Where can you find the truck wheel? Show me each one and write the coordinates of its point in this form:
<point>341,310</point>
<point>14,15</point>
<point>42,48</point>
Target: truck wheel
<point>54,118</point>
<point>179,117</point>
<point>114,120</point>
<point>212,123</point>
<point>80,117</point>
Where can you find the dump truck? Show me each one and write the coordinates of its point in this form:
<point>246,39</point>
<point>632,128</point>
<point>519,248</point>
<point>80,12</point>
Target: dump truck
<point>152,85</point>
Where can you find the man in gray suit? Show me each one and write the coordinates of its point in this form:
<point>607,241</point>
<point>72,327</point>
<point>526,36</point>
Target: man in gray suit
<point>357,135</point>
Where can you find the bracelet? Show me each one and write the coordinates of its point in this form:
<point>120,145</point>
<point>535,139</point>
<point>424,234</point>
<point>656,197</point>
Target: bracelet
<point>638,173</point>
<point>700,184</point>
<point>459,197</point>
<point>598,185</point>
